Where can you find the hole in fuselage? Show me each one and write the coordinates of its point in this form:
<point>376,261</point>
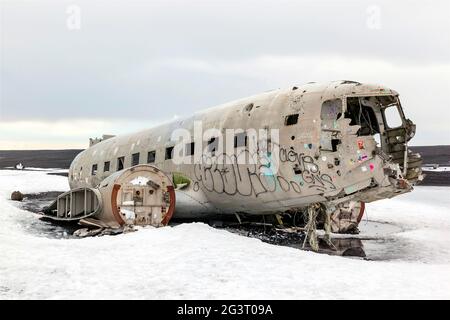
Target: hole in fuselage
<point>361,113</point>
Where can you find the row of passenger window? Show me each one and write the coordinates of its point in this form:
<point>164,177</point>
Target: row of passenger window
<point>240,140</point>
<point>120,164</point>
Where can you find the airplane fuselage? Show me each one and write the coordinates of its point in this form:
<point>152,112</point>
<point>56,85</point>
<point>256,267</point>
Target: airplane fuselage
<point>323,146</point>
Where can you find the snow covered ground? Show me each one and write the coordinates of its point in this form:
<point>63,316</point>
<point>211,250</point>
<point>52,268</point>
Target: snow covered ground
<point>437,169</point>
<point>195,261</point>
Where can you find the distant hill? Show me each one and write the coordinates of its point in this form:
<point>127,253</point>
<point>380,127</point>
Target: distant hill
<point>434,154</point>
<point>38,158</point>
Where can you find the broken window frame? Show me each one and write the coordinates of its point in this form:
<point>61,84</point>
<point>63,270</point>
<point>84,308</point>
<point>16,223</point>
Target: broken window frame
<point>386,119</point>
<point>369,115</point>
<point>94,169</point>
<point>106,166</point>
<point>151,156</point>
<point>120,163</point>
<point>213,145</point>
<point>330,134</point>
<point>240,140</point>
<point>135,158</point>
<point>190,149</point>
<point>330,102</point>
<point>169,153</point>
<point>291,119</point>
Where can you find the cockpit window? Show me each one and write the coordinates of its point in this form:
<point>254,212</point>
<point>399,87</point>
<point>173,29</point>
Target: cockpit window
<point>392,117</point>
<point>331,109</point>
<point>361,112</point>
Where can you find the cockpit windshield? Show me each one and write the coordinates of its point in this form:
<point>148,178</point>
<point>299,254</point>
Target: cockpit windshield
<point>369,112</point>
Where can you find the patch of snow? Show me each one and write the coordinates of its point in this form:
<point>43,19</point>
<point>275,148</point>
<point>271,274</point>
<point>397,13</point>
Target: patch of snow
<point>139,181</point>
<point>195,261</point>
<point>436,169</point>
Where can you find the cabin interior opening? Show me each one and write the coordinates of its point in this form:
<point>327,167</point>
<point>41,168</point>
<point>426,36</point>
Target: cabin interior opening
<point>361,112</point>
<point>135,159</point>
<point>120,163</point>
<point>213,145</point>
<point>169,153</point>
<point>240,140</point>
<point>190,149</point>
<point>151,156</point>
<point>291,119</point>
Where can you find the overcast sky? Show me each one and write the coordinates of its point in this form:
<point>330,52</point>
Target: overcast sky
<point>71,70</point>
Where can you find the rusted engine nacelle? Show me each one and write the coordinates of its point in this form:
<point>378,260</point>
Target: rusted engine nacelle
<point>140,195</point>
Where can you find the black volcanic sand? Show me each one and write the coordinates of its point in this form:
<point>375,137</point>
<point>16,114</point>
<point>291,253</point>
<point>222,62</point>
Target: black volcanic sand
<point>434,178</point>
<point>35,202</point>
<point>62,174</point>
<point>38,158</point>
<point>434,154</point>
<point>62,159</point>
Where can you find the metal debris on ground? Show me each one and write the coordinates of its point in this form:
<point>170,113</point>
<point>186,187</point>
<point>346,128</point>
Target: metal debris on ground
<point>86,232</point>
<point>269,234</point>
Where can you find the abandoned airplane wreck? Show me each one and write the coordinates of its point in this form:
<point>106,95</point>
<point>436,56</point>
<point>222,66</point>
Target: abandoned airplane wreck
<point>327,150</point>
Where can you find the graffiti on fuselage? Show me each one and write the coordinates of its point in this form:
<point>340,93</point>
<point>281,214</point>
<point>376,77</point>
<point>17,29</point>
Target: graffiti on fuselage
<point>308,170</point>
<point>223,174</point>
